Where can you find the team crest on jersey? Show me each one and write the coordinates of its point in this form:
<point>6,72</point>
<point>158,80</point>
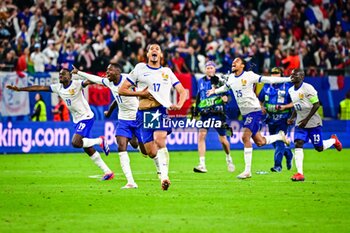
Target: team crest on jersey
<point>301,96</point>
<point>71,91</point>
<point>244,82</point>
<point>165,76</point>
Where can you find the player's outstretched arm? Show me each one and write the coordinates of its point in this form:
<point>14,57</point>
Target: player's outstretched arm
<point>30,89</point>
<point>219,90</point>
<point>111,109</point>
<point>125,90</point>
<point>90,77</point>
<point>268,79</point>
<point>183,96</point>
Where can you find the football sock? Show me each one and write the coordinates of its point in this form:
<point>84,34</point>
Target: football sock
<point>156,163</point>
<point>328,143</point>
<point>228,158</point>
<point>162,155</point>
<point>99,162</point>
<point>125,164</point>
<point>272,138</point>
<point>202,161</point>
<point>248,153</point>
<point>89,142</point>
<point>299,157</point>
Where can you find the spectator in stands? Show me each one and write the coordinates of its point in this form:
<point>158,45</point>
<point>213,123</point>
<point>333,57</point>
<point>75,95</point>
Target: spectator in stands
<point>344,108</point>
<point>291,62</point>
<point>9,62</point>
<point>67,56</point>
<point>39,109</point>
<point>191,60</point>
<point>22,64</point>
<point>61,112</point>
<point>203,25</point>
<point>51,54</point>
<point>38,58</point>
<point>179,63</point>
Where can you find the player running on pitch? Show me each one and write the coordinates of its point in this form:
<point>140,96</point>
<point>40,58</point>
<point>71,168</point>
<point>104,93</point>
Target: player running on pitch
<point>241,82</point>
<point>155,83</point>
<point>126,125</point>
<point>308,122</point>
<point>71,92</point>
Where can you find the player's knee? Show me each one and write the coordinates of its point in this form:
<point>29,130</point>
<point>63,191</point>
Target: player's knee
<point>201,138</point>
<point>77,144</point>
<point>152,153</point>
<point>319,148</point>
<point>160,142</point>
<point>259,143</point>
<point>299,144</point>
<point>245,139</point>
<point>223,140</point>
<point>122,147</point>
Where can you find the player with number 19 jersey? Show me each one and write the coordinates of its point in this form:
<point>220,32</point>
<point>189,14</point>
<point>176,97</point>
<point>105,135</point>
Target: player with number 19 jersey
<point>74,99</point>
<point>303,99</point>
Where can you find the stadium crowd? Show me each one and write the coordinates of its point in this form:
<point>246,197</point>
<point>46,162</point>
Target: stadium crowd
<point>46,35</point>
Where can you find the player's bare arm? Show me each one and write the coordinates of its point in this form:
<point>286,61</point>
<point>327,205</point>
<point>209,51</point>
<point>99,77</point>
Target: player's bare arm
<point>284,107</point>
<point>291,120</point>
<point>110,109</point>
<point>125,90</point>
<point>183,96</point>
<point>30,89</point>
<point>219,90</point>
<point>87,83</point>
<point>75,70</point>
<point>90,79</point>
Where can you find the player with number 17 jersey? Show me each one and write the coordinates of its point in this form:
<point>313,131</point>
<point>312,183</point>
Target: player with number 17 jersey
<point>159,81</point>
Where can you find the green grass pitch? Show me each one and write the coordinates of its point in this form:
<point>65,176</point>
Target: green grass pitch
<point>53,193</point>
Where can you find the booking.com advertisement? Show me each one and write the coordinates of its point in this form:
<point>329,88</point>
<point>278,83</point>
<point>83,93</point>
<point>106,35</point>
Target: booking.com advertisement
<point>52,137</point>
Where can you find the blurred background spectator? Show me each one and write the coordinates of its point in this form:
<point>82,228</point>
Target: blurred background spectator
<point>310,34</point>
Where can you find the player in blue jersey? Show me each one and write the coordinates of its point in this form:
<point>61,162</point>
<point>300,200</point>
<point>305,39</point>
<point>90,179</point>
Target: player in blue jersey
<point>308,123</point>
<point>155,84</point>
<point>242,82</point>
<point>277,106</point>
<point>211,108</point>
<point>71,91</point>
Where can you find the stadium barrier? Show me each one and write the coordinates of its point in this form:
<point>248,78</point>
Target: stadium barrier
<point>55,137</point>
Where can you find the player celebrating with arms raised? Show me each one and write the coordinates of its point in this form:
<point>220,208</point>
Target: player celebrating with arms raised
<point>308,122</point>
<point>242,84</point>
<point>155,83</point>
<point>71,92</point>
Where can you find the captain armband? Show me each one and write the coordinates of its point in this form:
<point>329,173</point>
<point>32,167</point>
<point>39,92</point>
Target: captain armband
<point>314,99</point>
